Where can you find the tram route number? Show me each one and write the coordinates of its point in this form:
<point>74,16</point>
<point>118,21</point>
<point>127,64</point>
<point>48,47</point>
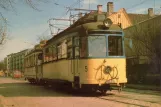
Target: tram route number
<point>86,69</point>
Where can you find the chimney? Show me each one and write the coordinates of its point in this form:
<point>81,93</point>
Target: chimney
<point>150,12</point>
<point>109,8</point>
<point>80,15</point>
<point>99,8</point>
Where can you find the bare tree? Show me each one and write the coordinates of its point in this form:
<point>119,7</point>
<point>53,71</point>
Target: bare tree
<point>145,39</point>
<point>9,5</point>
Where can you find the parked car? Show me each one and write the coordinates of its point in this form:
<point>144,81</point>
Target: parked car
<point>17,74</point>
<point>1,74</point>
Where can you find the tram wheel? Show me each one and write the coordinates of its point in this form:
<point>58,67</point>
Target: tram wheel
<point>103,92</point>
<point>119,89</point>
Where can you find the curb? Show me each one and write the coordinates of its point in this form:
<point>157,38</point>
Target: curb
<point>143,87</point>
<point>2,101</point>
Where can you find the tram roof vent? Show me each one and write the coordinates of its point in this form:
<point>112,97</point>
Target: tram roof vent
<point>100,17</point>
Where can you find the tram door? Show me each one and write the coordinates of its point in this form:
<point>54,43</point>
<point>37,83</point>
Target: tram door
<point>73,58</point>
<point>75,61</point>
<point>39,67</point>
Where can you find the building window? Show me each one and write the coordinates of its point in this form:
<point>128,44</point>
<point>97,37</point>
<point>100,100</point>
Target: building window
<point>130,43</point>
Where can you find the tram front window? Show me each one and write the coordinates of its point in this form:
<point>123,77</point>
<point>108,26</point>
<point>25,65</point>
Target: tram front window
<point>115,46</point>
<point>97,46</point>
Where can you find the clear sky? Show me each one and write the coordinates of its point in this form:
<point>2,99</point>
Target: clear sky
<point>25,24</point>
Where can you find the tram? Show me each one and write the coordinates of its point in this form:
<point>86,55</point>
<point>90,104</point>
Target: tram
<point>88,55</point>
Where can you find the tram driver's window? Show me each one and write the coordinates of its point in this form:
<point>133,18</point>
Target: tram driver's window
<point>115,46</point>
<point>83,47</point>
<point>97,46</point>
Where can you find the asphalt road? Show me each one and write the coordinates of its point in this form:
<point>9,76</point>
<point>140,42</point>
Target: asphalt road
<point>20,93</point>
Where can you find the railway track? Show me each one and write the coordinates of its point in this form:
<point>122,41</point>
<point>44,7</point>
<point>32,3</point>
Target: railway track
<point>133,99</point>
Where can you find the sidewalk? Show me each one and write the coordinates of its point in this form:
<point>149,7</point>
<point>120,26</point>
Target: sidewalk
<point>143,87</point>
<point>1,101</point>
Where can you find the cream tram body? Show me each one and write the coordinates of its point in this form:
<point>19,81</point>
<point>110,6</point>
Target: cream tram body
<point>86,56</point>
<point>33,66</point>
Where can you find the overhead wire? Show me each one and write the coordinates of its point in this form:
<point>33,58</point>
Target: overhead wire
<point>135,5</point>
<point>67,8</point>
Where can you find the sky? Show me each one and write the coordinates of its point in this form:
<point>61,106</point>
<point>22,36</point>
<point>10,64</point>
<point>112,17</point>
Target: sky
<point>25,24</point>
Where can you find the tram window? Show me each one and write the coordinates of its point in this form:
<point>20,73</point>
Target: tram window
<point>76,46</point>
<point>47,50</point>
<point>40,56</point>
<point>50,53</point>
<point>59,51</point>
<point>64,49</point>
<point>69,54</point>
<point>97,46</point>
<point>76,51</point>
<point>76,41</point>
<point>83,47</point>
<point>54,53</point>
<point>69,48</point>
<point>115,46</point>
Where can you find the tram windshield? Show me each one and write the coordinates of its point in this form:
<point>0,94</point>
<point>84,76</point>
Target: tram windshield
<point>101,46</point>
<point>97,46</point>
<point>115,47</point>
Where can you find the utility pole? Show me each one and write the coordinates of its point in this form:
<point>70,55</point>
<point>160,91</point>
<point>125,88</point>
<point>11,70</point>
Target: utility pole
<point>154,7</point>
<point>89,4</point>
<point>53,25</point>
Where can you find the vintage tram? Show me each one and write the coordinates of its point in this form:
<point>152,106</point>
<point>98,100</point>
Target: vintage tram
<point>33,63</point>
<point>89,55</point>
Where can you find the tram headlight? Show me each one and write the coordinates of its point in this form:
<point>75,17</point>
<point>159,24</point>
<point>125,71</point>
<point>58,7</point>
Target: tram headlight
<point>107,22</point>
<point>107,70</point>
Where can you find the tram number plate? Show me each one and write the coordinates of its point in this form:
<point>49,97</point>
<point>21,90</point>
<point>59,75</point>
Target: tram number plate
<point>109,81</point>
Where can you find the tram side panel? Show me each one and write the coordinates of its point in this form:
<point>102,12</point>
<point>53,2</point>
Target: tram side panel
<point>30,72</point>
<point>92,71</point>
<point>58,70</point>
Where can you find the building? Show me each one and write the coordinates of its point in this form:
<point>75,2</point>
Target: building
<point>142,47</point>
<point>8,62</point>
<point>125,19</point>
<point>141,39</point>
<point>15,61</point>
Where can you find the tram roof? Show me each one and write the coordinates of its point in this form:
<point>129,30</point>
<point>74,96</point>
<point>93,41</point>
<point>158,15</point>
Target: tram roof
<point>88,22</point>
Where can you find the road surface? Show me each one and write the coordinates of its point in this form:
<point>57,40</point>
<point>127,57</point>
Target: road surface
<point>20,93</point>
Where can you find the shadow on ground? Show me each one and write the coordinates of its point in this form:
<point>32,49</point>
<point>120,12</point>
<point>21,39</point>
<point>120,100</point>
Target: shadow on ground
<point>33,90</point>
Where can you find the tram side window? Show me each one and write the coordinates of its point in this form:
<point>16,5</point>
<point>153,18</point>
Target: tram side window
<point>76,46</point>
<point>46,57</point>
<point>69,48</point>
<point>115,47</point>
<point>50,55</point>
<point>36,58</point>
<point>54,53</point>
<point>32,58</point>
<point>64,49</point>
<point>59,51</point>
<point>28,63</point>
<point>39,58</point>
<point>83,47</point>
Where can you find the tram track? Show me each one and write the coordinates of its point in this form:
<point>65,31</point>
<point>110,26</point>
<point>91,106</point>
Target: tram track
<point>124,99</point>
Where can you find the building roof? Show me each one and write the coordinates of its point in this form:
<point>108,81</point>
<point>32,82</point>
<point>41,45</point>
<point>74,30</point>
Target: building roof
<point>89,17</point>
<point>146,21</point>
<point>136,18</point>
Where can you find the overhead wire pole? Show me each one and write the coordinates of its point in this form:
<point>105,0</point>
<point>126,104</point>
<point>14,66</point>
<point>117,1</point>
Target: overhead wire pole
<point>50,27</point>
<point>89,4</point>
<point>60,19</point>
<point>154,6</point>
